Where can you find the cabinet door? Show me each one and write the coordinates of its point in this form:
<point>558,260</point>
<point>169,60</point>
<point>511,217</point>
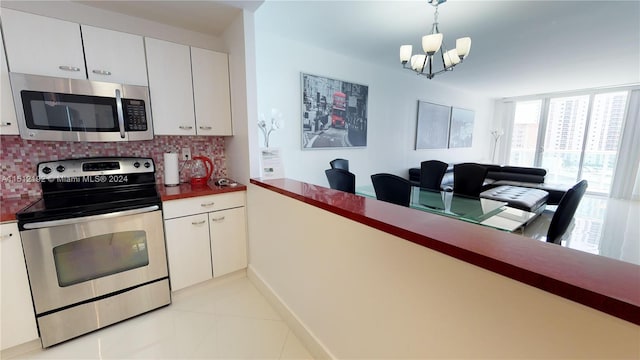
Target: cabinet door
<point>114,56</point>
<point>170,87</point>
<point>43,46</point>
<point>188,250</point>
<point>8,124</point>
<point>211,92</point>
<point>228,240</point>
<point>18,320</point>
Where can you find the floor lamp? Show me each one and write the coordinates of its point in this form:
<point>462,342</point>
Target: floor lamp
<point>497,133</point>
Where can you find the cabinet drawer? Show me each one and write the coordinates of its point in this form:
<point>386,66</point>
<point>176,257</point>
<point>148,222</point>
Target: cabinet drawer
<point>202,204</point>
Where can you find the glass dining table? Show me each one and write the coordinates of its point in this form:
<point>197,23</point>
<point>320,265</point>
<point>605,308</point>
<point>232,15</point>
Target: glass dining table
<point>487,212</point>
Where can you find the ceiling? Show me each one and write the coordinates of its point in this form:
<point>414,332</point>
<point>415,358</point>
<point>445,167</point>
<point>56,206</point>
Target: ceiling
<point>519,47</point>
<point>207,17</point>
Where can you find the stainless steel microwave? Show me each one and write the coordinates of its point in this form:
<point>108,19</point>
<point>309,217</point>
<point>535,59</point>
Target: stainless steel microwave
<point>60,109</point>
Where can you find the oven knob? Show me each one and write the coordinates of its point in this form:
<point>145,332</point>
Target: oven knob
<point>147,165</point>
<point>46,170</point>
<point>136,164</point>
<point>60,168</point>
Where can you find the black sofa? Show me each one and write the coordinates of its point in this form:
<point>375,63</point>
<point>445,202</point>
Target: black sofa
<point>527,177</point>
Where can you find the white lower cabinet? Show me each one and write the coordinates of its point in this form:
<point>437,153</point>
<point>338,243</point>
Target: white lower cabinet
<point>227,231</point>
<point>188,249</point>
<point>18,319</point>
<point>206,237</point>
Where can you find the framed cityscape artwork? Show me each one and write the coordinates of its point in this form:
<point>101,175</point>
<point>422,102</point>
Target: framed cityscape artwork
<point>334,113</point>
<point>442,127</point>
<point>432,131</point>
<point>461,133</point>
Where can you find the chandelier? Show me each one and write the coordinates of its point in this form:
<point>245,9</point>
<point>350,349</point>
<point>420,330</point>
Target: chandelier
<point>423,64</point>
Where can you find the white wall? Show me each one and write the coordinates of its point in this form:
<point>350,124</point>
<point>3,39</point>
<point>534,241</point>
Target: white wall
<point>240,40</point>
<point>392,110</point>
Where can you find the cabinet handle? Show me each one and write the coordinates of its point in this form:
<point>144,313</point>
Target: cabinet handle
<point>5,124</point>
<point>185,127</point>
<point>205,127</point>
<point>208,204</point>
<point>198,222</point>
<point>221,218</point>
<point>6,236</point>
<point>101,72</point>
<point>68,68</point>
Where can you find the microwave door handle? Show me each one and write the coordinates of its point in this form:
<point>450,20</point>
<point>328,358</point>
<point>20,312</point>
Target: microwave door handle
<point>120,113</point>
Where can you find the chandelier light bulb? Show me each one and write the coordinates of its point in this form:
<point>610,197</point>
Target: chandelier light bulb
<point>431,43</point>
<point>463,45</point>
<point>451,58</point>
<point>405,53</point>
<point>417,62</point>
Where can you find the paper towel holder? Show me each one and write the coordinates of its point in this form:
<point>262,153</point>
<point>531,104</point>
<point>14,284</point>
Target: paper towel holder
<point>171,170</point>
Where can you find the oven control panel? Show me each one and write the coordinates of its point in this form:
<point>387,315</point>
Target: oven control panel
<point>59,169</point>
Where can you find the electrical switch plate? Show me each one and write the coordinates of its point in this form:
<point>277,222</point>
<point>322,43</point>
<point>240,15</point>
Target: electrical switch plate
<point>186,154</point>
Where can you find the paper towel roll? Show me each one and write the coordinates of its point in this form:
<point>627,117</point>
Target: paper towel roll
<point>171,175</point>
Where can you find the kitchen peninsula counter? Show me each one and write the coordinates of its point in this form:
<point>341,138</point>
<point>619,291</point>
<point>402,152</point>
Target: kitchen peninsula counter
<point>605,284</point>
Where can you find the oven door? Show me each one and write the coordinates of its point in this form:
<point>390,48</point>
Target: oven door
<point>75,260</point>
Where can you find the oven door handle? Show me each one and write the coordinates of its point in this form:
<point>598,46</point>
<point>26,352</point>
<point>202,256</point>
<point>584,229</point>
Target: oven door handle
<point>43,224</point>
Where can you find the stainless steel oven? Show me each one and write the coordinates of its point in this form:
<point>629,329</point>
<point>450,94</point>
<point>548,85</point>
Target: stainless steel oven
<point>94,247</point>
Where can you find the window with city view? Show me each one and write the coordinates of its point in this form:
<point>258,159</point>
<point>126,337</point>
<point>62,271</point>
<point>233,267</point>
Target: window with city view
<point>576,137</point>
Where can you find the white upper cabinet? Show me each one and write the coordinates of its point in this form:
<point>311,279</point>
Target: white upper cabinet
<point>170,87</point>
<point>189,89</point>
<point>8,124</point>
<point>43,46</point>
<point>113,56</point>
<point>211,92</point>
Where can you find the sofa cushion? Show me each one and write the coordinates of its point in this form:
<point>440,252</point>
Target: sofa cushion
<point>523,177</point>
<point>414,175</point>
<point>522,198</point>
<point>524,170</point>
<point>556,192</point>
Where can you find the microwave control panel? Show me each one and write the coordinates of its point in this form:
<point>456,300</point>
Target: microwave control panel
<point>135,115</point>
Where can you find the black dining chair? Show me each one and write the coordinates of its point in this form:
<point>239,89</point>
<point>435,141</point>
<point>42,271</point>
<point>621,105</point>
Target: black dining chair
<point>339,164</point>
<point>342,180</point>
<point>468,179</point>
<point>565,211</point>
<point>392,188</point>
<point>431,174</point>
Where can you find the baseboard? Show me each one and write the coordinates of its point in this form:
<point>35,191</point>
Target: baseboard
<point>308,339</point>
<point>20,350</point>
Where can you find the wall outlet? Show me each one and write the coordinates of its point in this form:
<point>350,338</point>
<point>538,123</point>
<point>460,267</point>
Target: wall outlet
<point>186,154</point>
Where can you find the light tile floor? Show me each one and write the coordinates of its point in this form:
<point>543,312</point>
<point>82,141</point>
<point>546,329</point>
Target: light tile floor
<point>601,226</point>
<point>220,319</point>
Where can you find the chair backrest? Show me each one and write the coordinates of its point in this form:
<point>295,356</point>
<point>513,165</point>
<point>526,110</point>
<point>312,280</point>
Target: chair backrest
<point>431,174</point>
<point>392,188</point>
<point>468,179</point>
<point>339,164</point>
<point>342,180</point>
<point>565,211</point>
